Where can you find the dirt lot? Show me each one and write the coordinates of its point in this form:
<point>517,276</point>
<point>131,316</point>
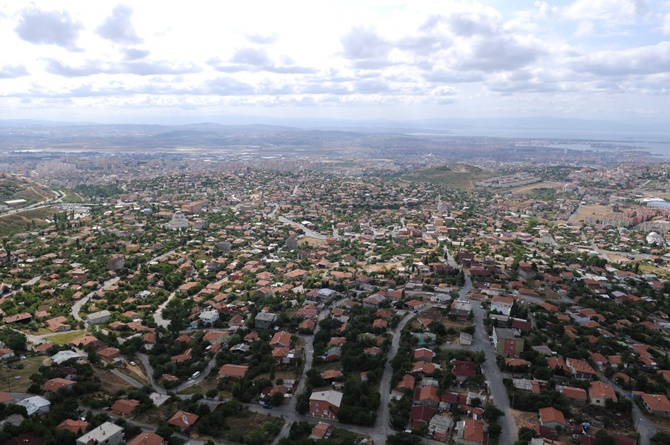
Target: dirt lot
<point>594,211</point>
<point>112,382</point>
<point>312,241</point>
<point>18,380</point>
<point>538,185</point>
<point>381,266</point>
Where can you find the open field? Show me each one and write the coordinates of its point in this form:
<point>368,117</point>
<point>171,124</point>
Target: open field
<point>66,337</point>
<point>457,176</point>
<point>18,380</point>
<point>594,211</point>
<point>312,241</point>
<point>112,382</point>
<point>537,185</point>
<point>22,221</point>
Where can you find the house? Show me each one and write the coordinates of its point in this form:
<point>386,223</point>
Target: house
<point>574,395</point>
<point>209,317</point>
<point>325,404</point>
<point>580,369</point>
<point>440,426</point>
<point>465,339</point>
<point>427,396</point>
<point>76,426</point>
<point>321,430</point>
<point>424,354</point>
<point>502,304</point>
<point>281,339</point>
<point>470,432</point>
<point>463,370</point>
<point>57,324</point>
<point>407,382</point>
<point>106,434</point>
<point>183,421</point>
<point>552,418</point>
<point>35,405</point>
<point>18,318</point>
<point>265,320</point>
<point>461,309</point>
<point>507,343</point>
<point>420,415</point>
<point>6,353</point>
<point>600,392</point>
<point>148,438</point>
<point>99,317</point>
<point>233,372</point>
<point>115,262</point>
<point>125,407</point>
<point>53,385</point>
<point>656,404</point>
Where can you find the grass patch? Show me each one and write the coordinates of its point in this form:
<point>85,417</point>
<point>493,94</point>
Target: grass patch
<point>72,196</point>
<point>25,220</point>
<point>18,380</point>
<point>457,176</point>
<point>65,338</point>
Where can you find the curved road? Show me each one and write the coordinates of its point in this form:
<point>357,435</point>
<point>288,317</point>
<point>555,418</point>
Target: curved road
<point>308,232</point>
<point>77,306</point>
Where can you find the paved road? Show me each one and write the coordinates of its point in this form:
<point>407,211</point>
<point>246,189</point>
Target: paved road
<point>77,306</point>
<point>149,371</point>
<point>490,369</point>
<point>158,315</point>
<point>381,426</point>
<point>127,378</point>
<point>643,425</point>
<point>308,232</point>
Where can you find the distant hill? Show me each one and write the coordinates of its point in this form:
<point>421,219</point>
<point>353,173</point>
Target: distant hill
<point>456,176</point>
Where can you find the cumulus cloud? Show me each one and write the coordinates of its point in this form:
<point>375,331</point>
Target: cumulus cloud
<point>255,60</point>
<point>633,61</point>
<point>12,71</point>
<point>615,12</point>
<point>261,39</point>
<point>366,49</point>
<point>140,68</point>
<point>48,27</point>
<point>471,24</point>
<point>134,53</point>
<point>251,56</point>
<point>500,53</point>
<point>118,27</point>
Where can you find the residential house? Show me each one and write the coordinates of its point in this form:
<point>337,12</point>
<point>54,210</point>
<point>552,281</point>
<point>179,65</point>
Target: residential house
<point>281,339</point>
<point>106,434</point>
<point>463,369</point>
<point>470,432</point>
<point>507,343</point>
<point>233,372</point>
<point>53,385</point>
<point>580,369</point>
<point>125,407</point>
<point>35,405</point>
<point>265,320</point>
<point>502,304</point>
<point>325,404</point>
<point>656,404</point>
<point>552,418</point>
<point>420,415</point>
<point>183,421</point>
<point>148,438</point>
<point>99,317</point>
<point>427,396</point>
<point>600,392</point>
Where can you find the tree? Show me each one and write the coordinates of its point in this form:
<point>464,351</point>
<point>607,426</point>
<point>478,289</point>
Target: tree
<point>660,438</point>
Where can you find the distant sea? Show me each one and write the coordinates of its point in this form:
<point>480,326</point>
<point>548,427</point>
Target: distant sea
<point>654,143</point>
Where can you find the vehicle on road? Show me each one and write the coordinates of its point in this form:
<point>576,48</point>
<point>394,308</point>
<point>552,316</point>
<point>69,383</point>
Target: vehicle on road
<point>267,406</point>
<point>195,375</point>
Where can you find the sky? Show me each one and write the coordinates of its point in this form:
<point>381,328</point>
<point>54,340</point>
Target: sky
<point>113,61</point>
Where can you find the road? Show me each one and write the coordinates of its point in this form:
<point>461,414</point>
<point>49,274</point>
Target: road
<point>308,232</point>
<point>381,427</point>
<point>158,315</point>
<point>77,306</point>
<point>149,371</point>
<point>643,426</point>
<point>491,372</point>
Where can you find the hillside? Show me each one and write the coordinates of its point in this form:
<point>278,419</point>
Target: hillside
<point>457,176</point>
